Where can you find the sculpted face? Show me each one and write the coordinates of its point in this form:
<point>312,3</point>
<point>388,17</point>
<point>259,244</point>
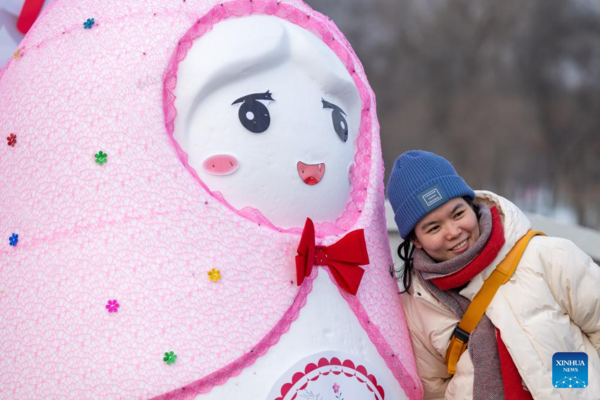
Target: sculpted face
<point>269,119</point>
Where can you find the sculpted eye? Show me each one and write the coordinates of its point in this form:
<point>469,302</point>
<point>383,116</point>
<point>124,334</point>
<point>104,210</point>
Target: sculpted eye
<point>339,122</point>
<point>253,114</point>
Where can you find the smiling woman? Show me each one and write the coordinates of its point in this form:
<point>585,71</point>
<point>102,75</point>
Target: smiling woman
<point>455,245</point>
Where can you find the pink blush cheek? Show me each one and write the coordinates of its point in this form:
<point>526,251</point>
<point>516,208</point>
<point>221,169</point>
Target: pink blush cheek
<point>221,164</point>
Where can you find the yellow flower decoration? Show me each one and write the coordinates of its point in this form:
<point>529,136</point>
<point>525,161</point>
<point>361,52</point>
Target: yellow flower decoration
<point>214,275</point>
<point>16,55</point>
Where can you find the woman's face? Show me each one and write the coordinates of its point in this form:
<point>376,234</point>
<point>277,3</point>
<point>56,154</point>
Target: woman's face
<point>447,231</point>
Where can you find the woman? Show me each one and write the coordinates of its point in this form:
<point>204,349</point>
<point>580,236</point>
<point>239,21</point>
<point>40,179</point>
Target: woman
<point>454,238</point>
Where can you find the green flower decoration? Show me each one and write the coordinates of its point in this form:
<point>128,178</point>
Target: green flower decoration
<point>170,358</point>
<point>101,157</point>
<point>89,23</point>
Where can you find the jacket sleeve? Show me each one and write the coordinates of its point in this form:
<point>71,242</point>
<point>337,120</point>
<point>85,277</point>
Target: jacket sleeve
<point>431,367</point>
<point>575,283</point>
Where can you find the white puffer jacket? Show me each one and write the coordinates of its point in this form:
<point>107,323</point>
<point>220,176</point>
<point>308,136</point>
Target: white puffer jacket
<point>551,304</point>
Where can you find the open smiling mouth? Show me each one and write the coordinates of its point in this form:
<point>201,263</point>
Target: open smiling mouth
<point>311,174</point>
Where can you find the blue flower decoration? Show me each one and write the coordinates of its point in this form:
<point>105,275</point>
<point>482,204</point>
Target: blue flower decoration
<point>89,23</point>
<point>14,239</point>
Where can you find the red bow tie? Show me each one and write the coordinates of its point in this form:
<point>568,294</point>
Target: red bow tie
<point>342,257</point>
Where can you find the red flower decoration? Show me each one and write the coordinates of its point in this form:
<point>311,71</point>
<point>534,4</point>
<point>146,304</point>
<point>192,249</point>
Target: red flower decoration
<point>12,140</point>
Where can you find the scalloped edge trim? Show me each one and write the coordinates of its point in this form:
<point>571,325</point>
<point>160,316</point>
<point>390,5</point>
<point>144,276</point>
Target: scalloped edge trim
<point>334,361</point>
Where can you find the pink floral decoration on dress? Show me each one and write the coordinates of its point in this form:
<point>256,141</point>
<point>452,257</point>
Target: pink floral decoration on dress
<point>112,306</point>
<point>336,390</point>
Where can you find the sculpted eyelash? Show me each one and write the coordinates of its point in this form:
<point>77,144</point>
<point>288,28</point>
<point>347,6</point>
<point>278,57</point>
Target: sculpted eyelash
<point>337,118</point>
<point>332,106</point>
<point>255,96</point>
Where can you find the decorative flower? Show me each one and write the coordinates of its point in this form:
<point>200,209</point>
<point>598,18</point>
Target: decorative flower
<point>170,358</point>
<point>17,53</point>
<point>11,139</point>
<point>112,306</point>
<point>101,157</point>
<point>214,275</point>
<point>14,239</point>
<point>336,388</point>
<point>89,23</point>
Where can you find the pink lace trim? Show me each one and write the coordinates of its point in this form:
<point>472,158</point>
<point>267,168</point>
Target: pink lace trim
<point>319,25</point>
<point>204,385</point>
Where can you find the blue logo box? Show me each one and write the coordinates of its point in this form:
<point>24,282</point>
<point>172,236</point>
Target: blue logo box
<point>570,370</point>
<point>431,197</point>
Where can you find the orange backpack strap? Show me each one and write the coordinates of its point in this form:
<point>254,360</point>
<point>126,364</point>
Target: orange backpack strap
<point>483,298</point>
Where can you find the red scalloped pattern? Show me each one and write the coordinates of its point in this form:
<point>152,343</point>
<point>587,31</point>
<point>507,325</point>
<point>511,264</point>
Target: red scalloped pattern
<point>360,373</point>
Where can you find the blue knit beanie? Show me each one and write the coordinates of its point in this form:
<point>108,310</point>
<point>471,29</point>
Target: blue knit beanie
<point>419,183</point>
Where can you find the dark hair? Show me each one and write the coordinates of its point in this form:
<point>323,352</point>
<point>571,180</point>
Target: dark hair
<point>407,248</point>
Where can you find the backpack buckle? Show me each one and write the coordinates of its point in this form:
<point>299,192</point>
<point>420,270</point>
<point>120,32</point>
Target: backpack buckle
<point>460,335</point>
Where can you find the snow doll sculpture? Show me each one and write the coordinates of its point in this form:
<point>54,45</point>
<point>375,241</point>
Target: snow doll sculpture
<point>192,207</point>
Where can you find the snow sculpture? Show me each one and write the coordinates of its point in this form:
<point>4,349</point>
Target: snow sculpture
<point>164,160</point>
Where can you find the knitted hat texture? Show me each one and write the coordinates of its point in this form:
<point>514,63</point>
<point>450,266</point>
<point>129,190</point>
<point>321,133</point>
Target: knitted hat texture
<point>419,183</point>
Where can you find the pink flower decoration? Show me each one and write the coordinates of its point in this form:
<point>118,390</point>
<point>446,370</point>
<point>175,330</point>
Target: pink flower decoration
<point>336,388</point>
<point>112,306</point>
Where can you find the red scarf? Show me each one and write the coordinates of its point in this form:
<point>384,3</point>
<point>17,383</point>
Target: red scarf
<point>511,380</point>
<point>480,262</point>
